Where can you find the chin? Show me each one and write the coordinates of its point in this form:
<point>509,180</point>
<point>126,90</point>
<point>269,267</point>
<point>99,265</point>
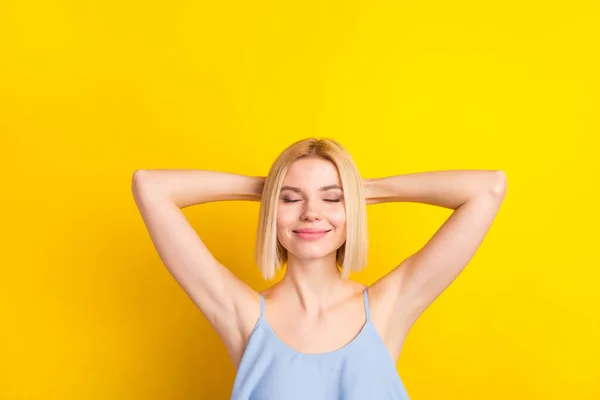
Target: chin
<point>311,254</point>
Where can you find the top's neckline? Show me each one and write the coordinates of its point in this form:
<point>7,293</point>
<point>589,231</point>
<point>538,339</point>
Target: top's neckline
<point>326,353</point>
<point>330,353</point>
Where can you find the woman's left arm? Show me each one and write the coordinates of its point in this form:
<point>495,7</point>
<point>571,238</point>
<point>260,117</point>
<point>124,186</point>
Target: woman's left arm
<point>474,195</point>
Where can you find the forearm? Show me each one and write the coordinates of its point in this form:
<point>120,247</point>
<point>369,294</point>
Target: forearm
<point>186,187</point>
<point>448,189</point>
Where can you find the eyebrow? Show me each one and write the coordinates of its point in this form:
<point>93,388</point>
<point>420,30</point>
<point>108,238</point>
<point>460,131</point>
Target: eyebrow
<point>322,188</point>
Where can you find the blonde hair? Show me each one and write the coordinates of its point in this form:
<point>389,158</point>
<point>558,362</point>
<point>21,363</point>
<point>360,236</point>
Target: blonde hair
<point>269,254</point>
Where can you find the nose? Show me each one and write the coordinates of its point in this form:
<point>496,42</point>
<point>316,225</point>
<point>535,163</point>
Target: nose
<point>310,212</point>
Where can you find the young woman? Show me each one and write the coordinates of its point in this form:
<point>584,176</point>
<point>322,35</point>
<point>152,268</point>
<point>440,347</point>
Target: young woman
<point>316,334</point>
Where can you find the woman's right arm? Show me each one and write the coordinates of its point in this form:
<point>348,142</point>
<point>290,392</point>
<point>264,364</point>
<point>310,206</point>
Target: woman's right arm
<point>160,195</point>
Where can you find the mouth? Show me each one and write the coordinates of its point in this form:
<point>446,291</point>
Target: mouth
<point>311,234</point>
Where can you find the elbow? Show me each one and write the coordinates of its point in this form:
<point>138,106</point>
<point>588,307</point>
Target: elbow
<point>138,174</point>
<point>137,177</point>
<point>139,180</point>
<point>498,183</point>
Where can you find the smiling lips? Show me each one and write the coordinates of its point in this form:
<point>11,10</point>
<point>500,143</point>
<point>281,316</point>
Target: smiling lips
<point>310,233</point>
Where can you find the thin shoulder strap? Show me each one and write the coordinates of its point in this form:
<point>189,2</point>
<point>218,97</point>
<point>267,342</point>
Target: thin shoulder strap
<point>262,305</point>
<point>366,299</point>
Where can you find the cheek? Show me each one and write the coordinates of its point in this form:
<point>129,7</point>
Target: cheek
<point>338,218</point>
<point>285,218</point>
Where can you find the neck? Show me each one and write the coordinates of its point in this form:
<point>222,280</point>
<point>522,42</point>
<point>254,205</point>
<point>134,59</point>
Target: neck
<point>313,283</point>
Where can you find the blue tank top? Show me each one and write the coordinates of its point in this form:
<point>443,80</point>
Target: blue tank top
<point>362,369</point>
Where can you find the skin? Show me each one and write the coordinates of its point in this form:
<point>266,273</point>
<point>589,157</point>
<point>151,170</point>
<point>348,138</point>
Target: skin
<point>312,309</point>
<point>312,298</point>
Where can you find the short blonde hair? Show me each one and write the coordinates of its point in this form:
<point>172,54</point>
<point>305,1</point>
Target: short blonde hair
<point>269,254</point>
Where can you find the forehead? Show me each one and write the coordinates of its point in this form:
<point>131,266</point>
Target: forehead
<point>311,172</point>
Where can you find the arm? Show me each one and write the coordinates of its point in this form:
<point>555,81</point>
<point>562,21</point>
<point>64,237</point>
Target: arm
<point>159,196</point>
<point>475,196</point>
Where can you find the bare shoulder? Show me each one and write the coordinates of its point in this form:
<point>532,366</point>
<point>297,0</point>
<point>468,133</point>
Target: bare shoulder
<point>393,331</point>
<point>381,303</point>
<point>246,304</point>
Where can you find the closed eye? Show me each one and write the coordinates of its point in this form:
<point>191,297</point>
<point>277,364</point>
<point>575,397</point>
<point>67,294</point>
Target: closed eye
<point>327,200</point>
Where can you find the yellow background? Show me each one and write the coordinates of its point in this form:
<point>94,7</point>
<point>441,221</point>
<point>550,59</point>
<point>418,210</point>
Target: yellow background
<point>92,90</point>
